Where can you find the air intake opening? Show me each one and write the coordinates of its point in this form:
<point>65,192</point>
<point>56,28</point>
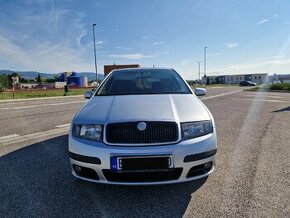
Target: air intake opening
<point>143,176</point>
<point>200,169</point>
<point>85,172</point>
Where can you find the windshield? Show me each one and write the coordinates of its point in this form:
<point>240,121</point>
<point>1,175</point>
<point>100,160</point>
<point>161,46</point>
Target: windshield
<point>143,81</point>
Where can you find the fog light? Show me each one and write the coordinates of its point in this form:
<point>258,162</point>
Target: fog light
<point>207,165</point>
<point>78,168</point>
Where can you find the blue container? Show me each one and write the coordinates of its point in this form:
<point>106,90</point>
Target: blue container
<point>74,80</point>
<point>60,78</point>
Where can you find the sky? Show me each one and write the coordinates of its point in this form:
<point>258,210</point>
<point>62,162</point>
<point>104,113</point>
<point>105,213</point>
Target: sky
<point>249,36</point>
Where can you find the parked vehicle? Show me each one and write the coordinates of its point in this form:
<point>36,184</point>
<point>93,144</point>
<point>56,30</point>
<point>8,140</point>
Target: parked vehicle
<point>247,83</point>
<point>143,126</point>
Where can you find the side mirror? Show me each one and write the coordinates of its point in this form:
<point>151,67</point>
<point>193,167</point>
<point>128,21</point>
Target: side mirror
<point>200,91</point>
<point>88,94</point>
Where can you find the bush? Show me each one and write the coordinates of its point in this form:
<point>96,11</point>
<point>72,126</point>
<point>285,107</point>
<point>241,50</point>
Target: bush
<point>3,82</point>
<point>280,86</point>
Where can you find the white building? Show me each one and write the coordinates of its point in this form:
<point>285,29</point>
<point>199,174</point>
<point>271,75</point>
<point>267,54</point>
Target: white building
<point>236,78</point>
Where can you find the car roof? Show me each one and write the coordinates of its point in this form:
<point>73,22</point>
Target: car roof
<point>141,69</point>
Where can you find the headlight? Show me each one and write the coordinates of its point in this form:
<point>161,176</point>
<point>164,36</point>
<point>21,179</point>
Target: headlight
<point>196,129</point>
<point>90,132</point>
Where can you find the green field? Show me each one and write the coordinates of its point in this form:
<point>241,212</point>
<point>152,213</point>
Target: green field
<point>281,87</point>
<point>213,85</point>
<point>39,93</point>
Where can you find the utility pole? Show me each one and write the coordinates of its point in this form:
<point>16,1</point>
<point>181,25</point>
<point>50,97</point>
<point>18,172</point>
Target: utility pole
<point>205,61</point>
<point>95,52</point>
<point>199,62</point>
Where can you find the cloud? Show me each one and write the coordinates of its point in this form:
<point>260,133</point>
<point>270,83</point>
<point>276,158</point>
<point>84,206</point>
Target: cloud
<point>186,61</point>
<point>134,56</point>
<point>10,53</point>
<point>50,39</point>
<point>231,44</point>
<point>213,54</point>
<point>80,37</point>
<point>158,43</point>
<point>266,64</point>
<point>47,57</point>
<point>99,42</point>
<point>262,22</point>
<point>123,48</point>
<point>276,57</point>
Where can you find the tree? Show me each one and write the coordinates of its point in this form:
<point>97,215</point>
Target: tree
<point>38,79</point>
<point>50,80</point>
<point>23,80</point>
<point>9,78</point>
<point>3,82</point>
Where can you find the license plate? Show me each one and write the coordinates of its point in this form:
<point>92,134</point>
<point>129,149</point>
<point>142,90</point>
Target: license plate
<point>141,163</point>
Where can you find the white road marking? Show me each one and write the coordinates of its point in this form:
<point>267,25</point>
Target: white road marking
<point>12,139</point>
<point>41,98</point>
<point>45,133</point>
<point>220,95</point>
<point>41,105</point>
<point>24,102</point>
<point>63,125</point>
<point>268,96</point>
<point>257,99</point>
<point>9,136</point>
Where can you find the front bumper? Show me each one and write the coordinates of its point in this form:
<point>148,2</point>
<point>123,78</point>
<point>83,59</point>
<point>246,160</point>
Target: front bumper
<point>186,156</point>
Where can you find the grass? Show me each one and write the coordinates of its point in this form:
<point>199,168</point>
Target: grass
<point>280,86</point>
<point>213,85</point>
<point>283,87</point>
<point>20,94</point>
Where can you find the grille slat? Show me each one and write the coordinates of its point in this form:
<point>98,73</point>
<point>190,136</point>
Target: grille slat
<point>156,132</point>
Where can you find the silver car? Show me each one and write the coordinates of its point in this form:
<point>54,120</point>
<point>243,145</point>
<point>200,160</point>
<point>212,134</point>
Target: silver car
<point>143,126</point>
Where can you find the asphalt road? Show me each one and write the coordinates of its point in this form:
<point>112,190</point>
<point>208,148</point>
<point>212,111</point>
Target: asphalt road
<point>252,176</point>
<point>24,117</point>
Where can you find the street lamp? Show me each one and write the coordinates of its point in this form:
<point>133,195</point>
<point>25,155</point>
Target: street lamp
<point>95,52</point>
<point>205,61</point>
<point>199,62</point>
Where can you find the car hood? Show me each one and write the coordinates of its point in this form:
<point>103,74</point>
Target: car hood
<point>126,108</point>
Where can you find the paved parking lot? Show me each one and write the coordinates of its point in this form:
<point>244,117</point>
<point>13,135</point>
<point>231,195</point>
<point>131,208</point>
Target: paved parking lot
<point>252,176</point>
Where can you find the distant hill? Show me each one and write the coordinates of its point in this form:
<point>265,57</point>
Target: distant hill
<point>33,74</point>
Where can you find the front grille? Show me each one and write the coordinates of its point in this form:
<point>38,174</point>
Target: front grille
<point>155,132</point>
<point>143,176</point>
